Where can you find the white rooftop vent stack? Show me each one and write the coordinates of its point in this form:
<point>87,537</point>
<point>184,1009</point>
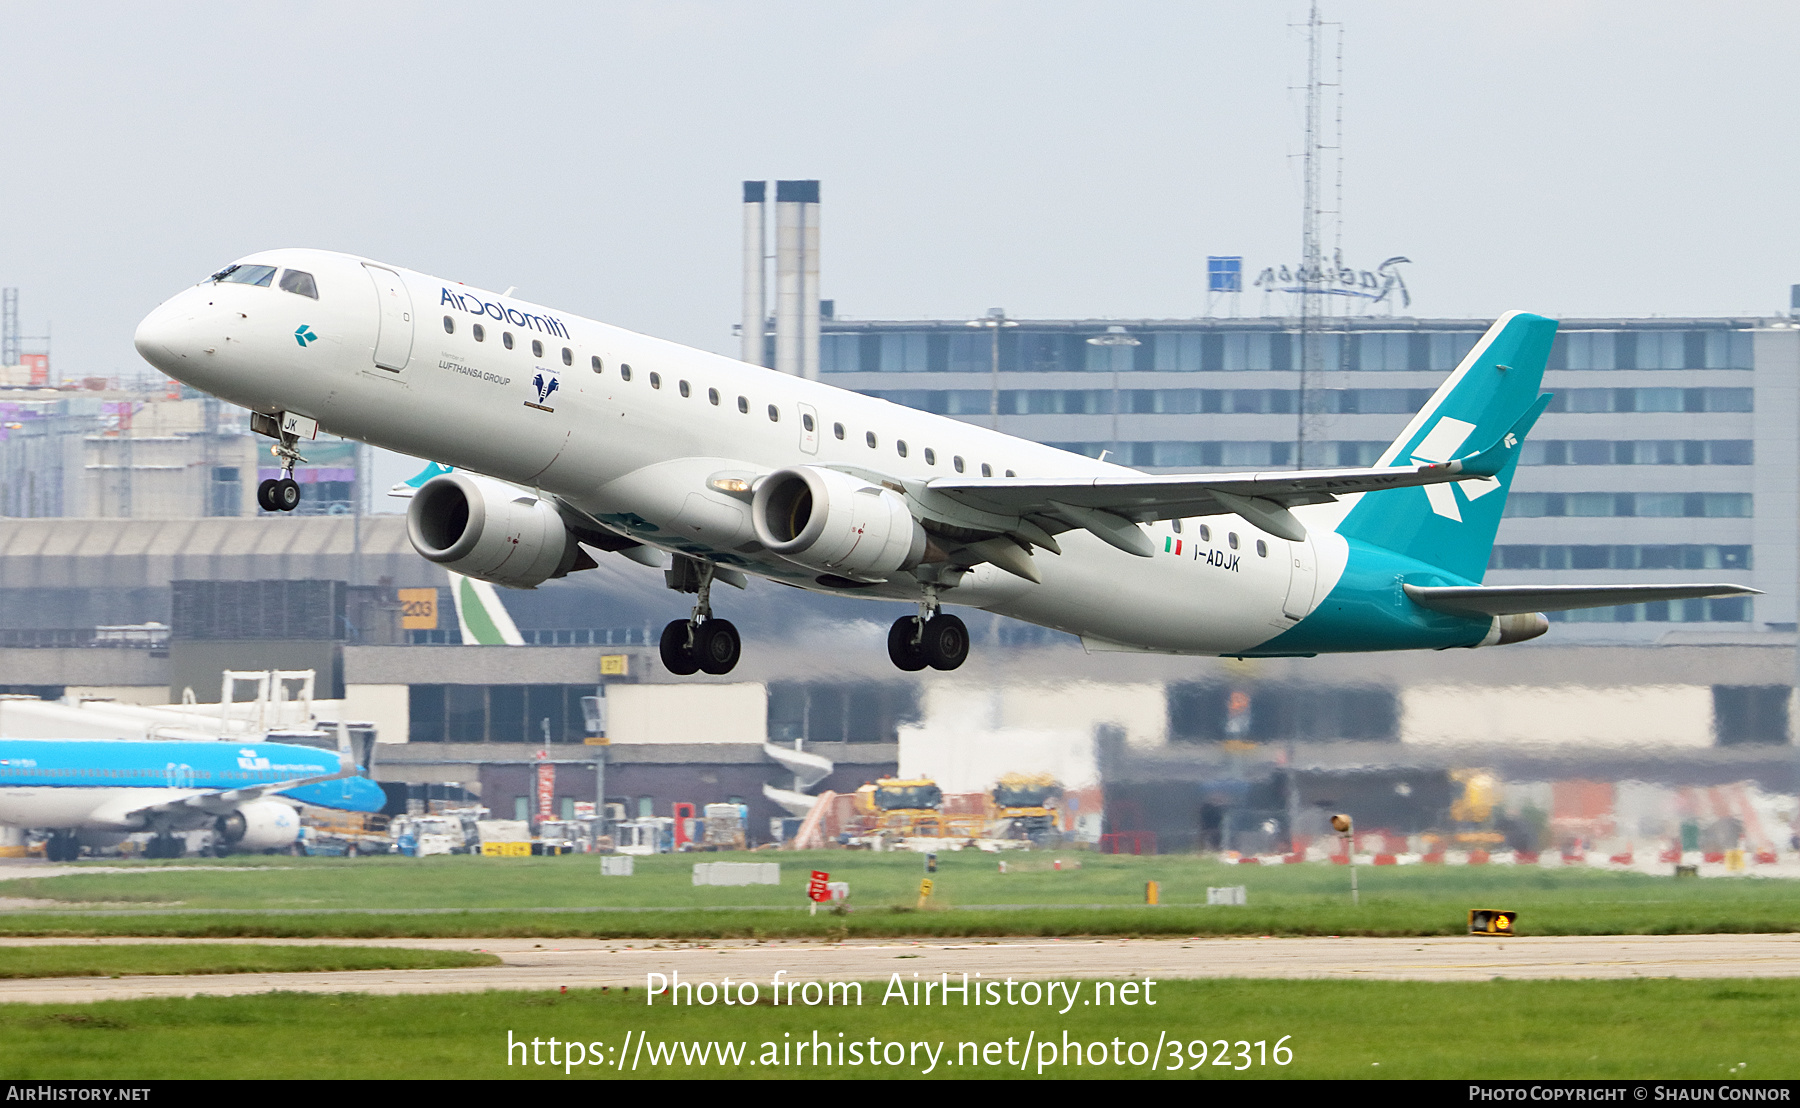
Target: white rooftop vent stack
<point>809,282</point>
<point>756,306</point>
<point>796,204</point>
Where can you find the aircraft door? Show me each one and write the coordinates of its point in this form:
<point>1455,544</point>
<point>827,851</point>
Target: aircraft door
<point>393,346</point>
<point>1305,572</point>
<point>809,429</point>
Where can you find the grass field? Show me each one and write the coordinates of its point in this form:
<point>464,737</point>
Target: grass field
<point>129,960</point>
<point>1538,1029</point>
<point>1091,894</point>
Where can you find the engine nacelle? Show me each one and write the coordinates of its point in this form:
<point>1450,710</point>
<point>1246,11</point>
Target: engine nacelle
<point>259,825</point>
<point>835,523</point>
<point>489,531</point>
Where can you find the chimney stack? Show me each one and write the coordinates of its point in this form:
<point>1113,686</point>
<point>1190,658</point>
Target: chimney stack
<point>756,307</point>
<point>797,278</point>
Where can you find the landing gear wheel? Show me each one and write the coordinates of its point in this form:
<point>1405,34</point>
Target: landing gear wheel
<point>902,651</point>
<point>62,846</point>
<point>717,646</point>
<point>677,658</point>
<point>265,496</point>
<point>946,642</point>
<point>286,494</point>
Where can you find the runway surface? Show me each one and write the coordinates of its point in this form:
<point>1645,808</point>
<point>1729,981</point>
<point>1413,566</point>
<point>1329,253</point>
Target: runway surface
<point>615,964</point>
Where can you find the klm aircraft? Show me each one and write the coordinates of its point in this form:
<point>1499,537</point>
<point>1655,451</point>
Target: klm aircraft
<point>95,792</point>
<point>566,435</point>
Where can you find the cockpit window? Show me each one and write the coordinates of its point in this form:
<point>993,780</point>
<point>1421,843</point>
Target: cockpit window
<point>295,281</point>
<point>246,275</point>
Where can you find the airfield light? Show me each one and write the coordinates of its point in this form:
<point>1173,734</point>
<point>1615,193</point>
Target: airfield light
<point>1346,827</point>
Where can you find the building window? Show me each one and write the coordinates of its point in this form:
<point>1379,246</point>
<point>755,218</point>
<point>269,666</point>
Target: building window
<point>522,807</point>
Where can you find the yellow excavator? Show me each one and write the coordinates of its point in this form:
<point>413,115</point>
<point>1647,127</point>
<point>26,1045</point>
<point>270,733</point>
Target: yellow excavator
<point>1026,804</point>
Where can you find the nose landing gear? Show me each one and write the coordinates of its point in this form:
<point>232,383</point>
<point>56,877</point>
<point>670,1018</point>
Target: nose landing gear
<point>699,642</point>
<point>283,494</point>
<point>931,638</point>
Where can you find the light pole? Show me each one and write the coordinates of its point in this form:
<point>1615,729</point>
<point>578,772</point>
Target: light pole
<point>1114,336</point>
<point>1346,827</point>
<point>994,321</point>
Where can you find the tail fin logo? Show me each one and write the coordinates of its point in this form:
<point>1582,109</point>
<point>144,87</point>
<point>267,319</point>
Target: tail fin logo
<point>1440,444</point>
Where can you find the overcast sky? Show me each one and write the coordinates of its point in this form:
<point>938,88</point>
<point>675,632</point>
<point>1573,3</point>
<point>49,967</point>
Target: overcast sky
<point>1055,159</point>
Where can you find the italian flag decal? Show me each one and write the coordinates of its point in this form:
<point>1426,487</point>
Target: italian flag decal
<point>1171,545</point>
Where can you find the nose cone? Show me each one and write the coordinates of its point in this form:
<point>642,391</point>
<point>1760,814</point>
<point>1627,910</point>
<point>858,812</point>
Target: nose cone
<point>163,336</point>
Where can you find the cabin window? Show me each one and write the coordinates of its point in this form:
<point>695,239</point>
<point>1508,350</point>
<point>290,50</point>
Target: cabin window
<point>568,356</point>
<point>930,456</point>
<point>449,326</point>
<point>774,414</point>
<point>683,386</point>
<point>1175,526</point>
<point>506,339</point>
<point>595,362</point>
<point>299,283</point>
<point>1231,540</point>
<point>837,429</point>
<point>1205,533</point>
<point>806,421</point>
<point>870,439</point>
<point>900,445</point>
<point>987,470</point>
<point>957,463</point>
<point>479,332</point>
<point>624,371</point>
<point>1262,549</point>
<point>246,275</point>
<point>655,380</point>
<point>537,348</point>
<point>712,396</point>
<point>744,404</point>
<point>1010,473</point>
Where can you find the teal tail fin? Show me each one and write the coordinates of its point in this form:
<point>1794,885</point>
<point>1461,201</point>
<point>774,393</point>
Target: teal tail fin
<point>1490,398</point>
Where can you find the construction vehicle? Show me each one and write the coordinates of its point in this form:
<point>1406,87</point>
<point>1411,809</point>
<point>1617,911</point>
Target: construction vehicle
<point>1026,805</point>
<point>907,808</point>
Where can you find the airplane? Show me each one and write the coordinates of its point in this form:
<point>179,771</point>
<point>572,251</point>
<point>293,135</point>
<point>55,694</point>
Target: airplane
<point>94,792</point>
<point>563,435</point>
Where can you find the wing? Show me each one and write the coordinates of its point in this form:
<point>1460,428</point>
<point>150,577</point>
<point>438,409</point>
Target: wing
<point>1110,507</point>
<point>220,801</point>
<point>1505,600</point>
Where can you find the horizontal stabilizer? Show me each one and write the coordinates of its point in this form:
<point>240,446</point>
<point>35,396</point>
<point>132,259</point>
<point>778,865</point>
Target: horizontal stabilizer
<point>1506,600</point>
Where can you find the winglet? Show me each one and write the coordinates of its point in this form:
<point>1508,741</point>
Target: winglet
<point>1489,462</point>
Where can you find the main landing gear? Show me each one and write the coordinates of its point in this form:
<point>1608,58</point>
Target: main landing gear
<point>281,494</point>
<point>699,642</point>
<point>931,638</point>
<point>62,846</point>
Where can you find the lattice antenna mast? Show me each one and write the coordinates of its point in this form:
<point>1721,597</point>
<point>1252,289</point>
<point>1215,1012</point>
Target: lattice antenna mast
<point>9,327</point>
<point>1316,271</point>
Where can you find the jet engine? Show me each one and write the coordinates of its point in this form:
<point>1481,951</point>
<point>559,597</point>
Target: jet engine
<point>491,531</point>
<point>259,825</point>
<point>835,523</point>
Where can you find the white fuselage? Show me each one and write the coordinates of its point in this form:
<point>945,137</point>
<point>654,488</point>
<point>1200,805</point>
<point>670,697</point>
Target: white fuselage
<point>637,453</point>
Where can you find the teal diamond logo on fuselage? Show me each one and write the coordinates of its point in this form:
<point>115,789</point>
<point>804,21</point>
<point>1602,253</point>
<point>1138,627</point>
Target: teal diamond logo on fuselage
<point>303,334</point>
